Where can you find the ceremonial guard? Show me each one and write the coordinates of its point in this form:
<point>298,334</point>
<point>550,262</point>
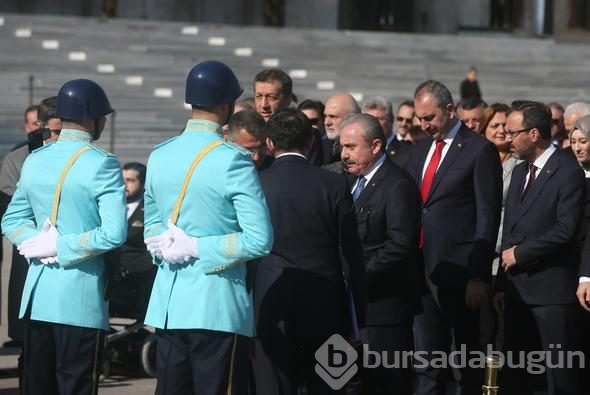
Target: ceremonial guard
<point>205,217</point>
<point>68,209</point>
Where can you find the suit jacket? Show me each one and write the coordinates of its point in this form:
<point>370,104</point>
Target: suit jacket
<point>132,256</point>
<point>225,209</point>
<point>331,150</point>
<point>399,152</point>
<point>584,236</point>
<point>90,221</point>
<point>544,228</point>
<point>461,214</point>
<point>299,287</point>
<point>388,215</point>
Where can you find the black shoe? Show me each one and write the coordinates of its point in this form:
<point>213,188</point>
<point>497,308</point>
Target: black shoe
<point>13,344</point>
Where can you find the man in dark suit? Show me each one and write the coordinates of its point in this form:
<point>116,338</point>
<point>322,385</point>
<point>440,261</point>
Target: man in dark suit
<point>543,212</point>
<point>299,297</point>
<point>387,205</point>
<point>397,150</point>
<point>337,108</point>
<point>131,267</point>
<point>460,180</point>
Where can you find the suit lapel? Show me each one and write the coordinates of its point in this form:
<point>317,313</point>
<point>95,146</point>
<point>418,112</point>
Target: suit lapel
<point>422,151</point>
<point>372,184</point>
<point>543,176</point>
<point>456,146</point>
<point>137,214</point>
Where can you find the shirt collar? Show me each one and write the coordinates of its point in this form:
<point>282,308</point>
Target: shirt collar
<point>201,125</point>
<point>291,154</point>
<point>542,160</point>
<point>390,139</point>
<point>375,167</point>
<point>452,134</point>
<point>75,135</point>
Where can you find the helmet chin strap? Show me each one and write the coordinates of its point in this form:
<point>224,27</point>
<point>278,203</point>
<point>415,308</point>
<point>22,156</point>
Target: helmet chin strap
<point>96,133</point>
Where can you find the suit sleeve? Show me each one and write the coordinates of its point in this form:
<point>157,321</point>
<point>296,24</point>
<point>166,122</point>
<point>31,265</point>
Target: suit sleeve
<point>585,258</point>
<point>403,220</point>
<point>487,181</point>
<point>109,191</point>
<point>18,223</point>
<point>569,207</point>
<point>242,188</point>
<point>352,251</point>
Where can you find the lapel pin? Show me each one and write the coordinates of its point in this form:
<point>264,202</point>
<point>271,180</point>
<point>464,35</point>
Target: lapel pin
<point>548,171</point>
<point>459,145</point>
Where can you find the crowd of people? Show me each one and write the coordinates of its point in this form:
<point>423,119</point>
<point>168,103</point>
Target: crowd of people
<point>268,226</point>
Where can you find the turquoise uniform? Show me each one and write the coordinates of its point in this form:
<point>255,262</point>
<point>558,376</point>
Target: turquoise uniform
<point>91,221</point>
<point>224,207</point>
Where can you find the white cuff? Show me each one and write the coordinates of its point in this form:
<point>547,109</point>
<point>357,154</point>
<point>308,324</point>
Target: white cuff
<point>584,280</point>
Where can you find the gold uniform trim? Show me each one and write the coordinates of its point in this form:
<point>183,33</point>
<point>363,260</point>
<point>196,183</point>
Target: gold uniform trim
<point>187,179</point>
<point>230,377</point>
<point>64,172</point>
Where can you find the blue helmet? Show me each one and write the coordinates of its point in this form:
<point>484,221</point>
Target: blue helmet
<point>81,100</point>
<point>212,83</point>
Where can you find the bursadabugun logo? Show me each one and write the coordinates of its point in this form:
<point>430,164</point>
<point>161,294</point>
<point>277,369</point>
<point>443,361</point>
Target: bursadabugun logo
<point>336,362</point>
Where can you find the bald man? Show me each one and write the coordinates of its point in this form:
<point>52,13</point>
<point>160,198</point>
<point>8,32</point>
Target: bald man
<point>337,108</point>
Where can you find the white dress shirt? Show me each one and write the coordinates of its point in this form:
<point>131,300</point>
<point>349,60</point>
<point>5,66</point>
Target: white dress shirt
<point>448,141</point>
<point>371,173</point>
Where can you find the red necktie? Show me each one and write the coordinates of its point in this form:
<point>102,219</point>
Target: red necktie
<point>429,177</point>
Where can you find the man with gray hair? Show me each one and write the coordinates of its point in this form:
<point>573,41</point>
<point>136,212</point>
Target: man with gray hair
<point>337,108</point>
<point>247,129</point>
<point>387,206</point>
<point>573,112</point>
<point>381,108</point>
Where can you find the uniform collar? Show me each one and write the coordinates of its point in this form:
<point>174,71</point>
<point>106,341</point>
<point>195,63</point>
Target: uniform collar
<point>75,135</point>
<point>201,125</point>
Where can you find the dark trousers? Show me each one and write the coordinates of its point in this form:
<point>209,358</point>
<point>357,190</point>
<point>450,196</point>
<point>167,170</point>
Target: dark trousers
<point>194,361</point>
<point>282,364</point>
<point>549,329</point>
<point>446,325</point>
<point>61,359</point>
<point>19,268</point>
<point>390,341</point>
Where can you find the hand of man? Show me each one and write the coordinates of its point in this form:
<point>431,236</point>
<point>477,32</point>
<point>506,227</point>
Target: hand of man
<point>49,260</point>
<point>499,303</point>
<point>508,258</point>
<point>43,245</point>
<point>583,295</point>
<point>156,244</point>
<point>476,294</point>
<point>182,248</point>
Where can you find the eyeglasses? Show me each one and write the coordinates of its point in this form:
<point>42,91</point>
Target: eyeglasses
<point>256,150</point>
<point>555,121</point>
<point>400,119</point>
<point>513,135</point>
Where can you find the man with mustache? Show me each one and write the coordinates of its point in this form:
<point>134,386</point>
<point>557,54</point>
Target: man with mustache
<point>387,206</point>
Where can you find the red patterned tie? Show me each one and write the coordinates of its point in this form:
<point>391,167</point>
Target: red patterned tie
<point>429,177</point>
<point>532,177</point>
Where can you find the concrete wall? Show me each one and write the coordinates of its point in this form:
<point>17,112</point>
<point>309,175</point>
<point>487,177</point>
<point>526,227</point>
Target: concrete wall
<point>315,14</point>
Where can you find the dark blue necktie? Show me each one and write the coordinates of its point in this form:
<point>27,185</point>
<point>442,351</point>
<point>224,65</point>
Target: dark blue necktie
<point>360,186</point>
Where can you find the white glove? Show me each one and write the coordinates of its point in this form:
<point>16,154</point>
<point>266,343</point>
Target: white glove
<point>156,244</point>
<point>174,246</point>
<point>49,260</point>
<point>43,245</point>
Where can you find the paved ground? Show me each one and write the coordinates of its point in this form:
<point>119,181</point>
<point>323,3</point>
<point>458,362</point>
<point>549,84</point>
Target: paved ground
<point>115,385</point>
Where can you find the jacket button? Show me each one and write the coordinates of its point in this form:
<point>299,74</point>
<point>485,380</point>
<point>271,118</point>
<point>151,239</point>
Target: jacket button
<point>424,210</point>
